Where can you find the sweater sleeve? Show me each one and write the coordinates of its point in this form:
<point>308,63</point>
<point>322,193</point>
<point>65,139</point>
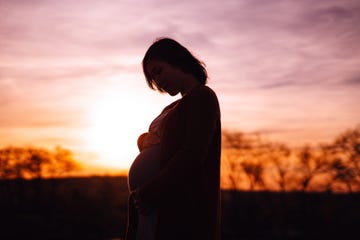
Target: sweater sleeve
<point>201,118</point>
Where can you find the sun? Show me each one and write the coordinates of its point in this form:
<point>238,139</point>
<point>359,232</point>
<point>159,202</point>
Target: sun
<point>116,120</point>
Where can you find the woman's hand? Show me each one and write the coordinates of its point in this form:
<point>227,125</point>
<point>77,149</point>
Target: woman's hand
<point>141,140</point>
<point>140,205</point>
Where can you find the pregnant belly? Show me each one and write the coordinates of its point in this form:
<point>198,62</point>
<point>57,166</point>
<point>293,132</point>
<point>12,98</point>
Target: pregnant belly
<point>145,165</point>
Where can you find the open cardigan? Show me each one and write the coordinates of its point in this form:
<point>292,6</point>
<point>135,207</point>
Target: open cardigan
<point>186,191</point>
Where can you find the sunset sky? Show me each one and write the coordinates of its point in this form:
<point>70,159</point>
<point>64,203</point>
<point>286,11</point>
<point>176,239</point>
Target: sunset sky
<point>70,71</point>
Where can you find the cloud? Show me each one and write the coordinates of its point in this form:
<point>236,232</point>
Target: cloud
<point>353,81</point>
<point>333,14</point>
<point>277,85</point>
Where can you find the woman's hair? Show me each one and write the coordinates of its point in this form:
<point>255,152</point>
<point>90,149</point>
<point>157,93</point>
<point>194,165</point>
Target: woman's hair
<point>173,53</point>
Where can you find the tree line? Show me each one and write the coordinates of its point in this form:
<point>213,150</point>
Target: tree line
<point>36,162</point>
<point>251,163</point>
<point>248,163</point>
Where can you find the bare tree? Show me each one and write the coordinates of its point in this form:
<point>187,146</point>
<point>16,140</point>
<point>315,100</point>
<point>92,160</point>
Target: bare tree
<point>278,155</point>
<point>254,172</point>
<point>62,162</point>
<point>234,147</point>
<point>312,162</point>
<point>243,157</point>
<point>344,165</point>
<point>36,161</point>
<point>12,163</point>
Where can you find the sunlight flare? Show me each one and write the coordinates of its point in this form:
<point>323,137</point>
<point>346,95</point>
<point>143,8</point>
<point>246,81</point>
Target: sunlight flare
<point>117,119</point>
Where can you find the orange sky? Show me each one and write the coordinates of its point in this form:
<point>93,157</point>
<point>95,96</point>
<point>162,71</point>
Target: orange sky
<point>70,71</point>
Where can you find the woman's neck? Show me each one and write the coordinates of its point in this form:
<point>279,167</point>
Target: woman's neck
<point>189,83</point>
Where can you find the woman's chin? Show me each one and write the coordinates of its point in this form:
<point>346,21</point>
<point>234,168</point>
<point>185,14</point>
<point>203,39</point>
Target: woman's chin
<point>172,93</point>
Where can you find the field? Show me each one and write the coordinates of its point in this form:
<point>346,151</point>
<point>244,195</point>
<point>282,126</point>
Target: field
<point>96,207</point>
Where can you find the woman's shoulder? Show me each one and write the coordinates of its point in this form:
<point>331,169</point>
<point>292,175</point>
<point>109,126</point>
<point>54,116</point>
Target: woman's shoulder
<point>171,105</point>
<point>203,92</point>
<point>201,98</point>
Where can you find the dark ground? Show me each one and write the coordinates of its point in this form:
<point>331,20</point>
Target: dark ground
<point>95,208</point>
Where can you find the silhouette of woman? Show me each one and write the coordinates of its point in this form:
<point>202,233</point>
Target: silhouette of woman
<point>175,180</point>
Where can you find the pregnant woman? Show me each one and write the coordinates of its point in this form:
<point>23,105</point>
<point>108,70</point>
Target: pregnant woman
<point>175,180</point>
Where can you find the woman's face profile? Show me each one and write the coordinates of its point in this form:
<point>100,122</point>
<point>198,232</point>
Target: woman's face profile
<point>165,76</point>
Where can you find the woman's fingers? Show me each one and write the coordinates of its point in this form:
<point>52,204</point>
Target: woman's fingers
<point>140,207</point>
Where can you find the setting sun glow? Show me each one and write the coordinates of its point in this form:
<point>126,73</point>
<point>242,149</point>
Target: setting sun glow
<point>116,122</point>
